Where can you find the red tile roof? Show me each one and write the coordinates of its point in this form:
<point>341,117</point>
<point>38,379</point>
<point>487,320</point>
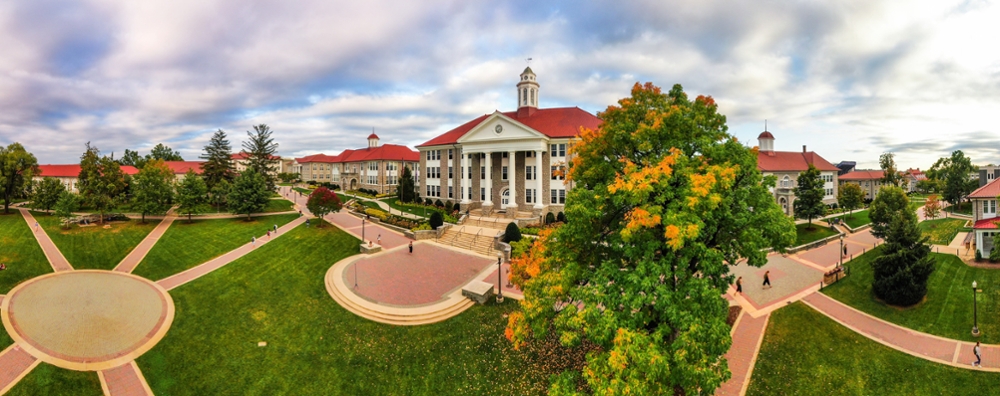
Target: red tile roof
<point>317,158</point>
<point>788,161</point>
<point>990,190</point>
<point>181,167</point>
<point>73,170</point>
<point>386,152</point>
<point>986,224</point>
<point>373,136</point>
<point>863,175</point>
<point>241,155</point>
<point>765,135</point>
<point>561,122</point>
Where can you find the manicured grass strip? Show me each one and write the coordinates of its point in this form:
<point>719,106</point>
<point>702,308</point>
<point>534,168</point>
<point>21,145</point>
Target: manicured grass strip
<point>19,251</point>
<point>371,204</point>
<point>47,379</point>
<point>5,339</point>
<point>411,209</point>
<point>278,205</point>
<point>806,353</point>
<point>947,309</point>
<point>95,247</point>
<point>186,245</point>
<point>942,231</point>
<point>276,294</point>
<point>962,208</point>
<point>805,235</point>
<point>304,191</point>
<point>856,219</point>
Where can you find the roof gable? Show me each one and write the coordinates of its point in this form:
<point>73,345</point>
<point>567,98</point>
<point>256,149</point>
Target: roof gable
<point>563,122</point>
<point>792,161</point>
<point>487,130</point>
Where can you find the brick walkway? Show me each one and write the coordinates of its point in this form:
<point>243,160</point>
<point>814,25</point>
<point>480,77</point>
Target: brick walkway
<point>135,257</point>
<point>352,225</point>
<point>52,253</point>
<point>125,380</point>
<point>15,363</point>
<point>218,262</point>
<point>742,355</point>
<point>926,346</point>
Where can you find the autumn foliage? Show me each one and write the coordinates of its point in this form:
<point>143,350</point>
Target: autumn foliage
<point>664,201</point>
<point>323,201</point>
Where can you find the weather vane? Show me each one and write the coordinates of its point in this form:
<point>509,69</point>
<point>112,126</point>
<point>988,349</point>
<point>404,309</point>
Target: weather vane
<point>528,61</point>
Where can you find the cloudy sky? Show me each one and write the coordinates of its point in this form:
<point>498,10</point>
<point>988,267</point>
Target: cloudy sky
<point>849,79</point>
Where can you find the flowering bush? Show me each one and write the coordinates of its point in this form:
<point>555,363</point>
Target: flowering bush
<point>377,213</point>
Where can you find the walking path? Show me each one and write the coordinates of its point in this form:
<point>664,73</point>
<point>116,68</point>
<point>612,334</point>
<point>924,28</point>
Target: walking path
<point>125,380</point>
<point>176,280</point>
<point>747,334</point>
<point>52,253</point>
<point>135,257</point>
<point>925,346</point>
<point>15,363</point>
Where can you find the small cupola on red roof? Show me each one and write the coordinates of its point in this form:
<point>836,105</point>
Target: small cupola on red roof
<point>372,139</point>
<point>766,141</point>
<point>527,94</point>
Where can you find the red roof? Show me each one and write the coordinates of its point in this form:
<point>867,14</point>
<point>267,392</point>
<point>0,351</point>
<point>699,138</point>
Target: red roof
<point>181,167</point>
<point>562,122</point>
<point>386,152</point>
<point>986,224</point>
<point>317,158</point>
<point>788,161</point>
<point>241,155</point>
<point>990,190</point>
<point>765,135</point>
<point>373,136</point>
<point>73,170</point>
<point>863,175</point>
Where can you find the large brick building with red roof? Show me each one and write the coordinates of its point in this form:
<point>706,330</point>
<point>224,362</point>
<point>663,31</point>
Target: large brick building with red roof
<point>69,174</point>
<point>786,167</point>
<point>376,167</point>
<point>505,161</point>
<point>984,215</point>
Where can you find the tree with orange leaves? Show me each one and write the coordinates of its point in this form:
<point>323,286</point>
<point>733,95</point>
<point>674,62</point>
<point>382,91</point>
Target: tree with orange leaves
<point>665,201</point>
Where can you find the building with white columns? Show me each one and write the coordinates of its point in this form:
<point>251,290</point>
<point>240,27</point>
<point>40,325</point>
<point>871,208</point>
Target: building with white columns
<point>506,162</point>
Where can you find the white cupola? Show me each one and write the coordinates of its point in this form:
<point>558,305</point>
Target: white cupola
<point>766,141</point>
<point>527,93</point>
<point>372,140</point>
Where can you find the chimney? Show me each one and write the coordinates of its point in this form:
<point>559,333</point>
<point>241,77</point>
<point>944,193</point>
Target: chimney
<point>803,149</point>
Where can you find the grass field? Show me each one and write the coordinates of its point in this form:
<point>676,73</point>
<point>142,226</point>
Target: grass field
<point>186,245</point>
<point>95,247</point>
<point>276,294</point>
<point>947,309</point>
<point>942,231</point>
<point>19,251</point>
<point>806,353</point>
<point>278,205</point>
<point>804,235</point>
<point>962,208</point>
<point>856,219</point>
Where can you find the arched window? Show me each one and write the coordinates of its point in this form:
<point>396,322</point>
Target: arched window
<point>532,96</point>
<point>524,96</point>
<point>786,182</point>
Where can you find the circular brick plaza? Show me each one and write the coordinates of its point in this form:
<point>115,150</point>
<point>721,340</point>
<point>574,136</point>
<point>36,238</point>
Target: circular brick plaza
<point>87,320</point>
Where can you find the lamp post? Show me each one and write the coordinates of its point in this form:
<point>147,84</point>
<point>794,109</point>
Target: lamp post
<point>841,251</point>
<point>975,320</point>
<point>499,277</point>
<point>362,230</point>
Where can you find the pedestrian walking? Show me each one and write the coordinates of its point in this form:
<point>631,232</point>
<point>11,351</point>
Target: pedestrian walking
<point>739,285</point>
<point>379,239</point>
<point>4,266</point>
<point>36,226</point>
<point>269,235</point>
<point>300,213</point>
<point>845,251</point>
<point>767,279</point>
<point>411,247</point>
<point>979,356</point>
<point>253,242</point>
<point>275,229</point>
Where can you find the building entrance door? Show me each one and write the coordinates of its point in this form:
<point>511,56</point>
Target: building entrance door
<point>505,197</point>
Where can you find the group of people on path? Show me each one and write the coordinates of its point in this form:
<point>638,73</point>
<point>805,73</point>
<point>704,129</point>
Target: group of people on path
<point>766,285</point>
<point>253,239</point>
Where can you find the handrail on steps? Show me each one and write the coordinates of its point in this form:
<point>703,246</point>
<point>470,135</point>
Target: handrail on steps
<point>457,234</point>
<point>473,245</point>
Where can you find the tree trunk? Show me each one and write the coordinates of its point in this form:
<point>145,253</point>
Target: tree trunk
<point>144,218</point>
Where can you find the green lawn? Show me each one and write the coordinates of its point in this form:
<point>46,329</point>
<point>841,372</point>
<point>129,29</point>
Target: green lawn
<point>186,245</point>
<point>305,191</point>
<point>19,251</point>
<point>806,353</point>
<point>278,205</point>
<point>805,235</point>
<point>947,309</point>
<point>942,231</point>
<point>417,211</point>
<point>371,204</point>
<point>95,247</point>
<point>856,219</point>
<point>277,294</point>
<point>962,208</point>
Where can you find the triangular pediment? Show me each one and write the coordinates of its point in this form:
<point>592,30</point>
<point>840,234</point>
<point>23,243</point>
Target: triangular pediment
<point>498,127</point>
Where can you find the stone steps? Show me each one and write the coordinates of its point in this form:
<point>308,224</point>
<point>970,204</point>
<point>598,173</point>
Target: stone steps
<point>402,317</point>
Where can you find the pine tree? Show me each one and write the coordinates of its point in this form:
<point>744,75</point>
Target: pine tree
<point>887,203</point>
<point>249,194</point>
<point>405,191</point>
<point>260,151</point>
<point>901,271</point>
<point>218,158</point>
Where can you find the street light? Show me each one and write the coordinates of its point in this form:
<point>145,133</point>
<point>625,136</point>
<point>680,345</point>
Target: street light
<point>841,250</point>
<point>499,277</point>
<point>975,320</point>
<point>362,231</point>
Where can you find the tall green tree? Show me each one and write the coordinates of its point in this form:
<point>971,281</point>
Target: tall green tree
<point>17,167</point>
<point>850,196</point>
<point>665,201</point>
<point>163,152</point>
<point>890,174</point>
<point>955,171</point>
<point>887,203</point>
<point>220,193</point>
<point>260,149</point>
<point>101,182</point>
<point>65,206</point>
<point>132,158</point>
<point>809,195</point>
<point>46,193</point>
<point>218,156</point>
<point>406,192</point>
<point>901,271</point>
<point>192,193</point>
<point>249,194</point>
<point>322,201</point>
<point>153,189</point>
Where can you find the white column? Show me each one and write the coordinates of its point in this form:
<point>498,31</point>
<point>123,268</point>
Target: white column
<point>466,183</point>
<point>512,177</point>
<point>489,180</point>
<point>538,179</point>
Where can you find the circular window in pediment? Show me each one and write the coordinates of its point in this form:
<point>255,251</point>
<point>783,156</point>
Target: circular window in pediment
<point>498,129</point>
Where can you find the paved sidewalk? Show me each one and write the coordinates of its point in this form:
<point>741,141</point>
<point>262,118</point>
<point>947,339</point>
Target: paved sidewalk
<point>52,253</point>
<point>352,224</point>
<point>15,363</point>
<point>135,257</point>
<point>124,380</point>
<point>742,356</point>
<point>218,262</point>
<point>926,346</point>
